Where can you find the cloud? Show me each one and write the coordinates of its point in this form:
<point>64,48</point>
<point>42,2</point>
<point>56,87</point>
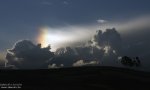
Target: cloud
<point>101,21</point>
<point>75,34</point>
<point>50,66</point>
<point>81,45</point>
<point>65,56</point>
<point>83,63</point>
<point>26,55</point>
<point>110,38</point>
<point>129,26</point>
<point>89,52</point>
<point>135,36</point>
<point>66,36</point>
<point>2,56</point>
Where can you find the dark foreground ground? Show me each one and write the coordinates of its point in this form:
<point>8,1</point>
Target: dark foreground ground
<point>79,78</point>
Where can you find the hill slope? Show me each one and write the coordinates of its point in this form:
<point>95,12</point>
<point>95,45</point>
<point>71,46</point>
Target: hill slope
<point>78,78</point>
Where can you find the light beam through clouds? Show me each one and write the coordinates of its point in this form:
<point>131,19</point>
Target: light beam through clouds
<point>75,35</point>
<point>64,36</point>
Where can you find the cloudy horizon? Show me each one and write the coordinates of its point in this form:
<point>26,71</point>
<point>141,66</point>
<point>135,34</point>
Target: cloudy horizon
<point>70,26</point>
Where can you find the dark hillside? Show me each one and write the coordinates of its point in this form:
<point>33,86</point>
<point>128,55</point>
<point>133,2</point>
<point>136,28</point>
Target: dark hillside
<point>78,78</point>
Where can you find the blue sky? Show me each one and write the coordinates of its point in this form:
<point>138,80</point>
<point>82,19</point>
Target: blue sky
<point>19,19</point>
<point>55,12</point>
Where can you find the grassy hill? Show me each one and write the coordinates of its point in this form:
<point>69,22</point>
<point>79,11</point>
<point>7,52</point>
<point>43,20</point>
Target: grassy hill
<point>78,78</point>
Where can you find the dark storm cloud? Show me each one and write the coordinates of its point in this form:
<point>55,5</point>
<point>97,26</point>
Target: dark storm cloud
<point>109,37</point>
<point>106,46</point>
<point>66,56</point>
<point>110,42</point>
<point>103,49</point>
<point>26,55</point>
<point>91,52</point>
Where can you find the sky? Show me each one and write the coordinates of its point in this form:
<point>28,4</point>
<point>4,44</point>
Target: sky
<point>19,19</point>
<point>23,19</point>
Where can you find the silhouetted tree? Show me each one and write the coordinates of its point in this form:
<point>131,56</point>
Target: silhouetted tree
<point>127,61</point>
<point>137,62</point>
